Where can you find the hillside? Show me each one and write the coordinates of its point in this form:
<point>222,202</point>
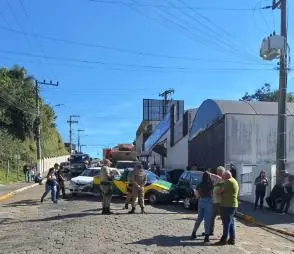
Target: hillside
<point>17,128</point>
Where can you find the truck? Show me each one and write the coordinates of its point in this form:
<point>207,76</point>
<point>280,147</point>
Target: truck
<point>122,156</point>
<point>78,163</point>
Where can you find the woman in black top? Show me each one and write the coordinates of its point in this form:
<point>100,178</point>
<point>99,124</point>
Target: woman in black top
<point>260,182</point>
<point>205,205</point>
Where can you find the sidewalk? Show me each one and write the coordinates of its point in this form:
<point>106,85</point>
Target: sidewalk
<point>7,190</point>
<point>269,218</point>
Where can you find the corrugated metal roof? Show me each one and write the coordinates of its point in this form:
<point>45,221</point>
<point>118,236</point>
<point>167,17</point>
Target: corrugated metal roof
<point>252,108</point>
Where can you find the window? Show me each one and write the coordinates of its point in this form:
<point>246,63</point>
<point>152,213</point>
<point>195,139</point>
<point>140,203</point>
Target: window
<point>151,177</point>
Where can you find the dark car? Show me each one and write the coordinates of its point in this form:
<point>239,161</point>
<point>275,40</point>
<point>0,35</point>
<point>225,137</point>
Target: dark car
<point>185,189</point>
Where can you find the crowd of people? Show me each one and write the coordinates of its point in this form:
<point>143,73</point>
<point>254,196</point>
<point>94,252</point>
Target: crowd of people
<point>217,195</point>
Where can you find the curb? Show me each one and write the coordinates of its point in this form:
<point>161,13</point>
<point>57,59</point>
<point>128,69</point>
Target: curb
<point>251,220</point>
<point>13,193</point>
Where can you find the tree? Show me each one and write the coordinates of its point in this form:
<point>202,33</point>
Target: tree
<point>265,93</point>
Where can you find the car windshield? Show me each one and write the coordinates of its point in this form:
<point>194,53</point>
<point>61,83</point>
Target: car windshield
<point>196,178</point>
<point>151,177</point>
<point>126,165</point>
<point>91,172</point>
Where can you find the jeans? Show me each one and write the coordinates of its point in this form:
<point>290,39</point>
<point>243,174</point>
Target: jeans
<point>227,215</point>
<point>259,196</point>
<point>48,188</point>
<point>27,176</point>
<point>215,212</point>
<point>205,207</point>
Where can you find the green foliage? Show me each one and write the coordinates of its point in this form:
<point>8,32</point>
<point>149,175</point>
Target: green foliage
<point>17,117</point>
<point>265,93</point>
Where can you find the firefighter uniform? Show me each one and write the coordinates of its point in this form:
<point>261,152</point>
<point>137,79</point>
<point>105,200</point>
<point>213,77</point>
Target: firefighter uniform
<point>139,179</point>
<point>106,189</point>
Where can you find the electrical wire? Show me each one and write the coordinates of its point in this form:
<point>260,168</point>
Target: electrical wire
<point>42,51</point>
<point>20,28</point>
<point>170,7</point>
<point>230,39</point>
<point>143,67</point>
<point>124,50</point>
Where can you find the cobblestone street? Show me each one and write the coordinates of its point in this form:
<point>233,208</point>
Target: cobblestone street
<point>76,226</point>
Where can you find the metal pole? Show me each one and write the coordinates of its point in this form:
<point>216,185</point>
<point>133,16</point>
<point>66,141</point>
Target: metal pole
<point>282,115</point>
<point>70,134</point>
<point>38,128</point>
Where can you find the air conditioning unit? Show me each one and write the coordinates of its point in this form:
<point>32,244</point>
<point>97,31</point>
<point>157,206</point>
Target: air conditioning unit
<point>271,47</point>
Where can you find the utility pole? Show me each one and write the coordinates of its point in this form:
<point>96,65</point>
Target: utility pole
<point>79,140</point>
<point>165,95</point>
<point>282,105</point>
<point>70,122</point>
<point>38,119</point>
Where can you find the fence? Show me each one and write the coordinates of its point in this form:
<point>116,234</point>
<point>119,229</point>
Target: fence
<point>46,163</point>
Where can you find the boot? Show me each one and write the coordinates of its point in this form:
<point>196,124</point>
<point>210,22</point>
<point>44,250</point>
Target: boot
<point>108,211</point>
<point>142,210</point>
<point>103,210</point>
<point>193,236</point>
<point>126,206</point>
<point>206,239</point>
<point>132,211</point>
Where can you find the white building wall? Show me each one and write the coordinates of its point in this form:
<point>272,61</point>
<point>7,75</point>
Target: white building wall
<point>177,156</point>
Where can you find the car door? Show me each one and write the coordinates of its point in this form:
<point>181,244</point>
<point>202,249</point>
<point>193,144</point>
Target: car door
<point>182,185</point>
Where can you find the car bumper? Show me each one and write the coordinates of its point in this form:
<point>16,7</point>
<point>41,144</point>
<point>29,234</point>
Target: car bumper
<point>164,197</point>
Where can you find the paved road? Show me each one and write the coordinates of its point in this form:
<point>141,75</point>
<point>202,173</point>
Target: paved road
<point>76,226</point>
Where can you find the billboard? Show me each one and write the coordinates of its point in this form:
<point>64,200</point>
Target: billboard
<point>155,110</point>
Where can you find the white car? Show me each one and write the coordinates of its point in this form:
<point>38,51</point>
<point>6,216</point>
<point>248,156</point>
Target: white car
<point>84,182</point>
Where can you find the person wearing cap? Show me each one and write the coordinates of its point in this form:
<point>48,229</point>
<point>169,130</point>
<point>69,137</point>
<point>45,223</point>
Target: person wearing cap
<point>106,186</point>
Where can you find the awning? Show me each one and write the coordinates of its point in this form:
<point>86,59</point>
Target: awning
<point>160,149</point>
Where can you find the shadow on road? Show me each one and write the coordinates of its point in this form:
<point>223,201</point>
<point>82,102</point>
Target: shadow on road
<point>27,202</point>
<point>171,241</point>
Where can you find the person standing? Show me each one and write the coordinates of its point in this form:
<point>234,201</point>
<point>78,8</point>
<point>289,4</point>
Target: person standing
<point>261,182</point>
<point>51,185</point>
<point>216,198</point>
<point>204,206</point>
<point>60,181</point>
<point>139,180</point>
<point>129,189</point>
<point>26,173</point>
<point>228,207</point>
<point>106,186</point>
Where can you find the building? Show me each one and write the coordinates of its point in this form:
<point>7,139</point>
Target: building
<point>168,143</point>
<point>154,112</point>
<point>240,134</point>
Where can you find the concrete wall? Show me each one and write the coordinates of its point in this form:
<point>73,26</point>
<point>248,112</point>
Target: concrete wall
<point>252,139</point>
<point>46,163</point>
<point>207,149</point>
<point>177,156</point>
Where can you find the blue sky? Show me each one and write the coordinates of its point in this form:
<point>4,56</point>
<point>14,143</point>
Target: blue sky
<point>142,48</point>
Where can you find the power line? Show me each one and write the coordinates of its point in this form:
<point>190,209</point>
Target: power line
<point>33,30</point>
<point>170,7</point>
<point>124,50</point>
<point>145,67</point>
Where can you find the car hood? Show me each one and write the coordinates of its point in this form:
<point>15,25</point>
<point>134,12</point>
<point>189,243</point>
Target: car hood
<point>163,184</point>
<point>82,180</point>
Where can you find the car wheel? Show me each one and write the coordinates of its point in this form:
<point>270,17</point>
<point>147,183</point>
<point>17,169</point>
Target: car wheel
<point>187,203</point>
<point>152,198</point>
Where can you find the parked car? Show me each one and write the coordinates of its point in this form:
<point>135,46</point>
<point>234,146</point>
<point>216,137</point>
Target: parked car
<point>84,182</point>
<point>65,167</point>
<point>185,189</point>
<point>156,190</point>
